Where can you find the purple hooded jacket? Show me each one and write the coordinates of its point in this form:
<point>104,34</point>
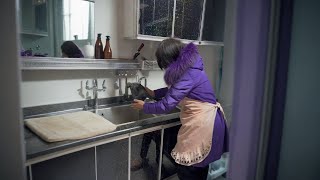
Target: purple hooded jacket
<point>186,78</point>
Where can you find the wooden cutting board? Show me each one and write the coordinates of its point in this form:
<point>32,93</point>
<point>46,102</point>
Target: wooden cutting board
<point>70,126</point>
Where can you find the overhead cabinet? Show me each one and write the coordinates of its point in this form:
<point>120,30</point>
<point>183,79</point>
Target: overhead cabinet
<point>34,17</point>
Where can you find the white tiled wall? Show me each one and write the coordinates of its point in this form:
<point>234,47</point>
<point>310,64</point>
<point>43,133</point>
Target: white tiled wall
<point>50,87</point>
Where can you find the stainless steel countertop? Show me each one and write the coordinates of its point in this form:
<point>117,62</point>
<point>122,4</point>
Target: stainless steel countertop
<point>36,147</point>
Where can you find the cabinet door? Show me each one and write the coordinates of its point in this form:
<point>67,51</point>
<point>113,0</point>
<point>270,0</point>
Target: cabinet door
<point>213,27</point>
<point>40,17</point>
<point>76,166</point>
<point>145,149</point>
<point>188,19</point>
<point>155,17</point>
<point>112,160</point>
<point>34,16</point>
<point>26,15</point>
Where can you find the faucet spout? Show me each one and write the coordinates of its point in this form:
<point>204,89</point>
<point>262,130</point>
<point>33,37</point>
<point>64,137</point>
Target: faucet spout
<point>126,90</point>
<point>145,81</point>
<point>95,91</point>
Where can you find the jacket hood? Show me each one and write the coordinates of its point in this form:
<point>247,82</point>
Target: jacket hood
<point>188,58</point>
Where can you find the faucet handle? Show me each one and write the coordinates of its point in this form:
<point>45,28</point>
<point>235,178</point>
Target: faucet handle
<point>104,85</point>
<point>87,85</point>
<point>95,82</point>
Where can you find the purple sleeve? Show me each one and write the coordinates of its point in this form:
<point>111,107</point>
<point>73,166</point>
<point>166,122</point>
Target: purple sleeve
<point>160,93</point>
<point>172,98</point>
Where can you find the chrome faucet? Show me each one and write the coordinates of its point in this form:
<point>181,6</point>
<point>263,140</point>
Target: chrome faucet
<point>95,91</point>
<point>127,85</point>
<point>126,93</point>
<point>145,81</point>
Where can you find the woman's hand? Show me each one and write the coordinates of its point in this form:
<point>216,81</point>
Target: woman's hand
<point>137,104</point>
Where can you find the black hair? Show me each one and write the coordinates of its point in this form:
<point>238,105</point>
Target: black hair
<point>71,50</point>
<point>168,52</point>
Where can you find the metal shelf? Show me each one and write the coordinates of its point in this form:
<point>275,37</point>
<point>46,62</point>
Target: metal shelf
<point>53,63</point>
<point>34,34</point>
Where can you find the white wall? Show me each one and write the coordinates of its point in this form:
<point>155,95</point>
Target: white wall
<point>12,151</point>
<point>50,87</point>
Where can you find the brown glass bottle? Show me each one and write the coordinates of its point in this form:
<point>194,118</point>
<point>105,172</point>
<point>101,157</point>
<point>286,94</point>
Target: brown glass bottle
<point>98,49</point>
<point>107,49</point>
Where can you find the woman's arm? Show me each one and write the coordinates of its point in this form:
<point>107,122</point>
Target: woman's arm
<point>158,93</point>
<point>172,98</point>
<point>150,92</point>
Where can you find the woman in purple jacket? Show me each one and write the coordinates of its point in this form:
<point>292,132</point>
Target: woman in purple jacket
<point>203,136</point>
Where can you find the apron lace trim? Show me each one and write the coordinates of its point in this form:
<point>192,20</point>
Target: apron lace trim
<point>195,116</point>
<point>190,158</point>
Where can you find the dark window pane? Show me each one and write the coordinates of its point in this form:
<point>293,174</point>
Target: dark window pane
<point>156,17</point>
<point>213,29</point>
<point>188,19</point>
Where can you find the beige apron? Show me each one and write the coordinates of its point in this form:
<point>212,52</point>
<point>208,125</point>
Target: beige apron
<point>195,135</point>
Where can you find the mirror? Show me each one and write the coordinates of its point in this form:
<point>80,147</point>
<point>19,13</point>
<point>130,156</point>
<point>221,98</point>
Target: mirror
<point>47,24</point>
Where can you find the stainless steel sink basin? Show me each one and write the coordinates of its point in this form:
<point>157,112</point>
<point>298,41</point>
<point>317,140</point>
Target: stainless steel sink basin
<point>123,114</point>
